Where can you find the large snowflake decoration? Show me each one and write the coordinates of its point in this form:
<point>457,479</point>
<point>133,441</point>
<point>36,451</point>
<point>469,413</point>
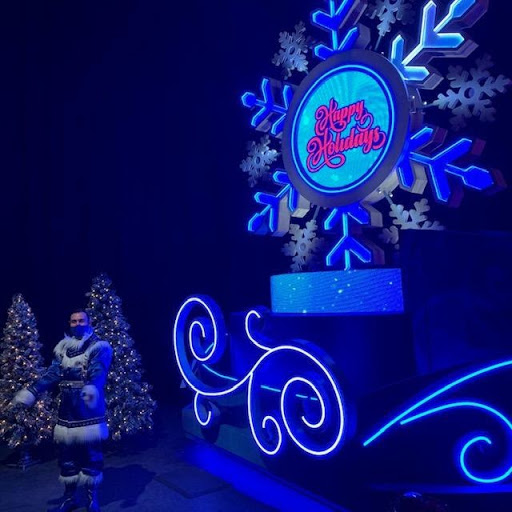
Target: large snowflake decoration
<point>472,92</point>
<point>304,247</point>
<point>293,53</point>
<point>346,151</point>
<point>258,161</point>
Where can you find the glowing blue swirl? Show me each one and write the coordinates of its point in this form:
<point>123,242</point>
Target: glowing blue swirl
<point>204,422</point>
<point>248,316</point>
<point>470,475</point>
<point>478,439</point>
<point>267,429</point>
<point>195,347</point>
<point>407,417</point>
<point>309,424</point>
<point>213,334</point>
<point>331,415</point>
<point>452,385</point>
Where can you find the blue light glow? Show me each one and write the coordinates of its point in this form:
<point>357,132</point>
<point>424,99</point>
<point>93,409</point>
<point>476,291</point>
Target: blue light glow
<point>441,164</point>
<point>406,174</point>
<point>434,42</point>
<point>455,405</point>
<point>336,22</point>
<point>329,444</point>
<point>452,385</point>
<point>319,398</point>
<point>348,246</point>
<point>352,84</point>
<point>396,56</point>
<point>268,107</point>
<point>267,388</point>
<point>462,457</point>
<point>327,397</point>
<point>250,315</point>
<point>251,481</point>
<point>406,417</point>
<point>278,207</point>
<point>469,474</point>
<point>195,347</point>
<point>430,34</point>
<point>202,421</point>
<point>368,291</point>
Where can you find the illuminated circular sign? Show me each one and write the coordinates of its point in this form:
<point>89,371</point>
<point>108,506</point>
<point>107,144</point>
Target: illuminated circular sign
<point>346,128</point>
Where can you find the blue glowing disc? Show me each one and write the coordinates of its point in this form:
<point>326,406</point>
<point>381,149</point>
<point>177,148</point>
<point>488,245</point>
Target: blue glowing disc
<point>346,128</point>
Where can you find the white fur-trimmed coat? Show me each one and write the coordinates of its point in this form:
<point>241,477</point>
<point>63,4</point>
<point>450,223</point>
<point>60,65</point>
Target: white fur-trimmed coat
<point>80,368</point>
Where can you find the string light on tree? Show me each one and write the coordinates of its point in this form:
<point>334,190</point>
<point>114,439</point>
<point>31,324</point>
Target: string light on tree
<point>20,364</point>
<point>129,404</point>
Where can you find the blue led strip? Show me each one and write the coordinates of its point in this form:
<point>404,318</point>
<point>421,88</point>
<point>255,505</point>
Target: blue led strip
<point>271,114</point>
<point>268,218</point>
<point>347,246</point>
<point>338,21</point>
<point>478,439</point>
<point>444,389</point>
<point>317,432</point>
<point>469,474</point>
<point>406,174</point>
<point>436,40</point>
<point>407,417</point>
<point>267,388</point>
<point>440,166</point>
<point>367,291</point>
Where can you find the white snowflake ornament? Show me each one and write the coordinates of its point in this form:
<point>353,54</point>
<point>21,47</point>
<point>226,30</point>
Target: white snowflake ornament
<point>471,92</point>
<point>259,159</point>
<point>304,247</point>
<point>389,12</point>
<point>294,48</point>
<point>390,236</point>
<point>414,218</point>
<point>408,219</point>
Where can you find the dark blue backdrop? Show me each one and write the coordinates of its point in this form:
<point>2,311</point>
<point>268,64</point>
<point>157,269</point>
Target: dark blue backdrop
<point>122,133</point>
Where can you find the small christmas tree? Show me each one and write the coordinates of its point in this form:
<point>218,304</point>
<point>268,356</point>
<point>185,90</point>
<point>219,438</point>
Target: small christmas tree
<point>129,404</point>
<point>20,364</point>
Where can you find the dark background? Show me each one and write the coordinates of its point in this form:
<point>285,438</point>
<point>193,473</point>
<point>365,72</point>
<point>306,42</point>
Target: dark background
<point>121,138</point>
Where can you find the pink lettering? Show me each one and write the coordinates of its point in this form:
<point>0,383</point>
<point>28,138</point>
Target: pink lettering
<point>328,146</point>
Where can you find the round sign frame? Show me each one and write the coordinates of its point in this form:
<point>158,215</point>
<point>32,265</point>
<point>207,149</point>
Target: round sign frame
<point>394,89</point>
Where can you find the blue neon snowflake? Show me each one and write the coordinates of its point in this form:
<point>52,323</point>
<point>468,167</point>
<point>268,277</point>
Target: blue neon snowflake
<point>429,156</point>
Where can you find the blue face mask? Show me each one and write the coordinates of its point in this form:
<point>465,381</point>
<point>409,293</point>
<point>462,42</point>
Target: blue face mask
<point>79,331</point>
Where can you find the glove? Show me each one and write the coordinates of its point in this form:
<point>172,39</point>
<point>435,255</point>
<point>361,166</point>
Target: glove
<point>90,395</point>
<point>24,397</point>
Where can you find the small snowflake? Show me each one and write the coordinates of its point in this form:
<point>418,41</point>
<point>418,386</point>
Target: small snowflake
<point>259,159</point>
<point>408,219</point>
<point>471,92</point>
<point>304,246</point>
<point>294,47</point>
<point>390,236</point>
<point>389,12</point>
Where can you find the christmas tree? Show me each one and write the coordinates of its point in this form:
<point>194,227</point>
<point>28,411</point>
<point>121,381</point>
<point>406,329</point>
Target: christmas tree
<point>21,364</point>
<point>129,404</point>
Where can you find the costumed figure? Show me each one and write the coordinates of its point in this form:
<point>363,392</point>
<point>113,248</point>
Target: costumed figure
<point>79,369</point>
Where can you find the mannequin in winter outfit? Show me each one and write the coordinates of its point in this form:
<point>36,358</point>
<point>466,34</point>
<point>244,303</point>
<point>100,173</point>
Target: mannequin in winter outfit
<point>79,368</point>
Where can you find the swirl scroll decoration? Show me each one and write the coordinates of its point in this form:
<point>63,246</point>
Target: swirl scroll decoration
<point>475,446</point>
<point>292,394</point>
